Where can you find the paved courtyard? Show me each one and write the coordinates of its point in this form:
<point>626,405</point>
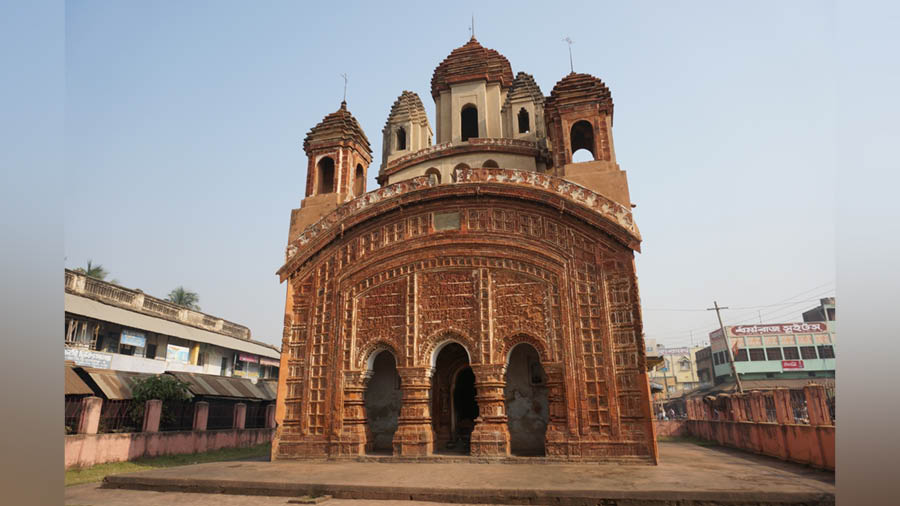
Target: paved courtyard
<point>688,473</point>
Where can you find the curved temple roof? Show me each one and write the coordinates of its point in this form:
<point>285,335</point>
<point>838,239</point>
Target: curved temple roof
<point>408,106</point>
<point>471,62</point>
<point>577,89</point>
<point>567,196</point>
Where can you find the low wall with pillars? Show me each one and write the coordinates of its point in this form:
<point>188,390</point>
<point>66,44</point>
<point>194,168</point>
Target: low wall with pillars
<point>85,450</point>
<point>750,429</point>
<point>88,448</point>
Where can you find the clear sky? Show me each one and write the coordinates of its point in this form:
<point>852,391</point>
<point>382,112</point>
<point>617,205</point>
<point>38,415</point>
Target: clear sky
<point>184,127</point>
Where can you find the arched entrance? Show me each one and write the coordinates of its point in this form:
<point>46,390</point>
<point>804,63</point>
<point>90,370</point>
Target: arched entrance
<point>527,407</point>
<point>382,401</point>
<point>454,409</point>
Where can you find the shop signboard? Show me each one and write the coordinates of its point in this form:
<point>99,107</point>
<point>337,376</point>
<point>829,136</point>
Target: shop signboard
<point>792,364</point>
<point>178,353</point>
<point>246,357</point>
<point>779,328</point>
<point>89,358</point>
<point>269,362</point>
<point>675,351</point>
<point>133,338</point>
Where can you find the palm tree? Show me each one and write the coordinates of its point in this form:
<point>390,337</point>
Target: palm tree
<point>93,271</point>
<point>184,298</point>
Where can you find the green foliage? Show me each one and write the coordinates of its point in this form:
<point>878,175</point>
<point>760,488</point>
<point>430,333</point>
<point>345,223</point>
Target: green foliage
<point>93,271</point>
<point>162,387</point>
<point>184,298</point>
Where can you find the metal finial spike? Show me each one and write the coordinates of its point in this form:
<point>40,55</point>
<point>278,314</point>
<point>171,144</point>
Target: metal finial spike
<point>568,41</point>
<point>346,78</point>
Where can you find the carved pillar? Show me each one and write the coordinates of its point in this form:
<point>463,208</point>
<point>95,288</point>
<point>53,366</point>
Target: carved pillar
<point>355,434</point>
<point>490,437</point>
<point>414,437</point>
<point>555,439</point>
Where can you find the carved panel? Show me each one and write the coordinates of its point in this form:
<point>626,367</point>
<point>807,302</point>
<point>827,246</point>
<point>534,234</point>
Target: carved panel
<point>520,304</point>
<point>447,299</point>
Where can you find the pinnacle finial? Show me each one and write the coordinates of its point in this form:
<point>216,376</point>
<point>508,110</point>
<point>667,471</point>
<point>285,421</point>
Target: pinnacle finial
<point>568,41</point>
<point>346,78</point>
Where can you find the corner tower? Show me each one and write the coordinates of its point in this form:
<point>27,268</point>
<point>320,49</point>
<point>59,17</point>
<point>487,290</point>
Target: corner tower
<point>407,129</point>
<point>579,115</point>
<point>338,154</point>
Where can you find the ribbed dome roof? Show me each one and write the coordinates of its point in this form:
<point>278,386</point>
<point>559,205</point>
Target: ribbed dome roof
<point>337,126</point>
<point>469,63</point>
<point>579,88</point>
<point>407,107</point>
<point>524,86</point>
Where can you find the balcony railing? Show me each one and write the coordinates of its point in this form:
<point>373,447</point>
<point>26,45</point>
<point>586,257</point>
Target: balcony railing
<point>135,300</point>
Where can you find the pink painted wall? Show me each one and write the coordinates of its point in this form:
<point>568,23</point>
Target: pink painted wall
<point>83,450</point>
<point>670,428</point>
<point>806,444</point>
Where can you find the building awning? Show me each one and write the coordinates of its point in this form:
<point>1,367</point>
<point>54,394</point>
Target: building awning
<point>99,311</point>
<point>74,384</point>
<point>656,387</point>
<point>209,385</point>
<point>115,385</point>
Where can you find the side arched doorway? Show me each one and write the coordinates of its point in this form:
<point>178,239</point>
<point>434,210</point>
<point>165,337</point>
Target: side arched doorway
<point>382,401</point>
<point>454,409</point>
<point>527,407</point>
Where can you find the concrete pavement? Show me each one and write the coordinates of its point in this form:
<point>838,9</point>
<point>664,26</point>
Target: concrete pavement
<point>687,474</point>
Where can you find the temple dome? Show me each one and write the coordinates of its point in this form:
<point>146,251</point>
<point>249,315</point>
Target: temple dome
<point>580,88</point>
<point>339,126</point>
<point>471,62</point>
<point>408,107</point>
<point>524,87</point>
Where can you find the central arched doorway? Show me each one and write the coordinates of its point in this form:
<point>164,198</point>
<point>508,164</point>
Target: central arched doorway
<point>527,407</point>
<point>382,401</point>
<point>454,408</point>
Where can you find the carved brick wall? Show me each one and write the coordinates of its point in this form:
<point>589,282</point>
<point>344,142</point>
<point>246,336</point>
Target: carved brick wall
<point>503,273</point>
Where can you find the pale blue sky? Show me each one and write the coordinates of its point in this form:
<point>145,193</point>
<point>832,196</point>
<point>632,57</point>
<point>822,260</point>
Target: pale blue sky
<point>184,126</point>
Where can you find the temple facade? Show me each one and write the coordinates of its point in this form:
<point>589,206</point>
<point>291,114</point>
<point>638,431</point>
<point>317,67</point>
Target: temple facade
<point>483,300</point>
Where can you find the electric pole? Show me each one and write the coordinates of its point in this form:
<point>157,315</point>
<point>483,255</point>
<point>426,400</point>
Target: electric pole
<point>737,379</point>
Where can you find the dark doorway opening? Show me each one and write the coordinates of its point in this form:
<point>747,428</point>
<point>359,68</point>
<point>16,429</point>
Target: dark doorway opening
<point>582,137</point>
<point>359,181</point>
<point>454,408</point>
<point>326,175</point>
<point>382,401</point>
<point>469,122</point>
<point>527,407</point>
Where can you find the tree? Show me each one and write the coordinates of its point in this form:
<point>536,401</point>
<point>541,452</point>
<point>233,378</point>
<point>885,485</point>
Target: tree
<point>163,387</point>
<point>93,271</point>
<point>184,298</point>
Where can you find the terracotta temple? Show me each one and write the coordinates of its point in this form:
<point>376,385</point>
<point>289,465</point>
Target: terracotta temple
<point>483,300</point>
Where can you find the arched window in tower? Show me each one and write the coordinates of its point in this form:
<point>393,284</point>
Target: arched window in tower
<point>582,138</point>
<point>434,175</point>
<point>469,122</point>
<point>524,121</point>
<point>325,175</point>
<point>359,181</point>
<point>490,163</point>
<point>401,139</point>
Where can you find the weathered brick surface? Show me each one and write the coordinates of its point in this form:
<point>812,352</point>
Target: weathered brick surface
<point>516,261</point>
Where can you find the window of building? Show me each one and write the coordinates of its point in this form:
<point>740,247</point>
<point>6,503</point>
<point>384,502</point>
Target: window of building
<point>469,122</point>
<point>434,175</point>
<point>359,181</point>
<point>826,351</point>
<point>582,137</point>
<point>81,333</point>
<point>401,139</point>
<point>757,354</point>
<point>716,359</point>
<point>490,163</point>
<point>773,353</point>
<point>685,365</point>
<point>224,369</point>
<point>791,353</point>
<point>151,350</point>
<point>741,355</point>
<point>524,123</point>
<point>326,175</point>
<point>808,352</point>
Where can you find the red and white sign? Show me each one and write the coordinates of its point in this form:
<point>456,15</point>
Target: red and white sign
<point>245,357</point>
<point>792,364</point>
<point>779,328</point>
